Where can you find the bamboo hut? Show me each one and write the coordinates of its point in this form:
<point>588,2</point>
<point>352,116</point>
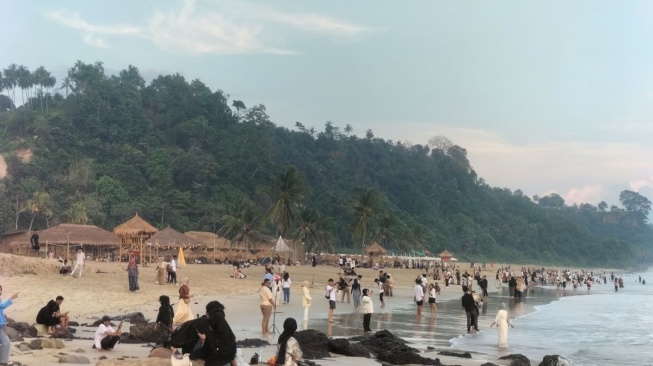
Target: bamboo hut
<point>445,256</point>
<point>375,249</point>
<point>217,244</point>
<point>170,238</point>
<point>59,239</point>
<point>133,234</point>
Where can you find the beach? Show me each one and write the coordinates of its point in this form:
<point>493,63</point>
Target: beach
<point>103,289</point>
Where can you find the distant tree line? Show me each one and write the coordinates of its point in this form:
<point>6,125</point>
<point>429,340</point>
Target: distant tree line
<point>183,155</point>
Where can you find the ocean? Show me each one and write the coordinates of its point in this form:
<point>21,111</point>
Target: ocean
<point>603,327</point>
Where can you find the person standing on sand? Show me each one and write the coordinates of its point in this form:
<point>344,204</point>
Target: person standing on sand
<point>502,321</point>
<point>306,301</point>
<point>434,310</point>
<point>356,293</point>
<point>4,339</point>
<point>471,310</point>
<point>173,270</point>
<point>164,319</point>
<point>380,285</point>
<point>79,263</point>
<point>285,284</point>
<point>418,293</point>
<point>132,273</point>
<point>160,271</point>
<point>34,240</point>
<point>331,296</point>
<point>184,312</point>
<point>267,305</point>
<point>368,309</point>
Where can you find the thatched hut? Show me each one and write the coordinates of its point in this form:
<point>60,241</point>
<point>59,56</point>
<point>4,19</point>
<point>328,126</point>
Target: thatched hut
<point>172,239</point>
<point>375,249</point>
<point>445,256</point>
<point>133,234</point>
<point>59,239</point>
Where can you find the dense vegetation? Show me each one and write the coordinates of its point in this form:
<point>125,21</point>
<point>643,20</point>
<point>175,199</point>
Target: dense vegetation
<point>105,147</point>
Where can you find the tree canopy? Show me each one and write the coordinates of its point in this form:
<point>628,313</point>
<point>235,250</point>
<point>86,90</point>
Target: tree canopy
<point>183,155</point>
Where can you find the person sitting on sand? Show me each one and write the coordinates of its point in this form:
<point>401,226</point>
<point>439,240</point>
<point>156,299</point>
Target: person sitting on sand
<point>218,345</point>
<point>50,315</point>
<point>105,336</point>
<point>65,269</point>
<point>289,351</point>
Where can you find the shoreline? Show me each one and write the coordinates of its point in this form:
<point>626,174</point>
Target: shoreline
<point>208,282</point>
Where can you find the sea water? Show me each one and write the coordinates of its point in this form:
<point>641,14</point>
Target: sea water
<point>599,327</point>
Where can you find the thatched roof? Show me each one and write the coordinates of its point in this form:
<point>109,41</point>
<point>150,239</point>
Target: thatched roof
<point>136,226</point>
<point>446,254</point>
<point>209,239</point>
<point>170,236</point>
<point>70,233</point>
<point>375,248</point>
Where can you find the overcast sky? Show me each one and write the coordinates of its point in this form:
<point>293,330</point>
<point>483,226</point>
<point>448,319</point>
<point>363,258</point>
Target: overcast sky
<point>548,96</point>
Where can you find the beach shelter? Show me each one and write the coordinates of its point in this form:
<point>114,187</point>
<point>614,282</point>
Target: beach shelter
<point>375,249</point>
<point>281,246</point>
<point>446,256</point>
<point>181,261</point>
<point>133,234</point>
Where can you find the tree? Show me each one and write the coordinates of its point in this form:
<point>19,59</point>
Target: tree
<point>49,82</point>
<point>24,81</point>
<point>66,84</point>
<point>602,206</point>
<point>385,233</point>
<point>552,200</point>
<point>11,80</point>
<point>311,231</point>
<point>365,206</point>
<point>288,190</point>
<point>242,223</point>
<point>77,213</point>
<point>39,204</point>
<point>635,204</point>
<point>239,105</point>
<point>440,143</point>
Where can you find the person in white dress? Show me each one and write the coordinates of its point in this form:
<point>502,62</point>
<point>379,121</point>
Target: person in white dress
<point>502,321</point>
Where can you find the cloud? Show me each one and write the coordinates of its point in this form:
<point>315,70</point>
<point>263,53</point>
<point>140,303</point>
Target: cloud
<point>587,194</point>
<point>216,28</point>
<point>637,185</point>
<point>93,34</point>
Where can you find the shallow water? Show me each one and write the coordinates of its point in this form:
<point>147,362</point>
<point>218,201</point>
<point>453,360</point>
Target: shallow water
<point>601,328</point>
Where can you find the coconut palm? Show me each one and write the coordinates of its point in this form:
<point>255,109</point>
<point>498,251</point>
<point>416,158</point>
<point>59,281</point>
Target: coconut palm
<point>289,190</point>
<point>386,230</point>
<point>39,204</point>
<point>24,81</point>
<point>11,80</point>
<point>365,207</point>
<point>242,223</point>
<point>312,230</point>
<point>77,213</point>
<point>49,82</point>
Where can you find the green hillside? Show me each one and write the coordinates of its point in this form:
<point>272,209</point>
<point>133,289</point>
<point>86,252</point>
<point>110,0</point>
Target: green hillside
<point>107,146</point>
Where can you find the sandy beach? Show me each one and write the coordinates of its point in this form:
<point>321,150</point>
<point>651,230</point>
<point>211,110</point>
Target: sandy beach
<point>103,289</point>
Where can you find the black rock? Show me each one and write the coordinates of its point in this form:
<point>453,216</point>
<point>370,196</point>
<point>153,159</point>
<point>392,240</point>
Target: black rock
<point>405,357</point>
<point>456,354</point>
<point>62,333</point>
<point>314,344</point>
<point>554,360</point>
<point>132,318</point>
<point>10,322</point>
<point>13,334</point>
<point>383,341</point>
<point>252,343</point>
<point>517,360</point>
<point>73,324</point>
<point>25,329</point>
<point>35,344</point>
<point>489,364</point>
<point>140,334</point>
<point>342,346</point>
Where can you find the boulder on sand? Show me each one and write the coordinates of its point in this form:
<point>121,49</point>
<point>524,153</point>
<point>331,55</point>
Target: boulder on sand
<point>314,344</point>
<point>343,347</point>
<point>554,360</point>
<point>382,341</point>
<point>140,334</point>
<point>517,360</point>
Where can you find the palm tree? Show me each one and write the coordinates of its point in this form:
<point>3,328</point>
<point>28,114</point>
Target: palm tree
<point>40,203</point>
<point>386,230</point>
<point>66,83</point>
<point>24,80</point>
<point>311,230</point>
<point>289,190</point>
<point>11,80</point>
<point>365,206</point>
<point>49,82</point>
<point>40,76</point>
<point>77,213</point>
<point>242,223</point>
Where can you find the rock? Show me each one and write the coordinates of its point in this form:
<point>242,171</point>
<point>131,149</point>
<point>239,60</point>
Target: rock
<point>79,350</point>
<point>161,352</point>
<point>489,364</point>
<point>25,329</point>
<point>554,360</point>
<point>13,334</point>
<point>62,333</point>
<point>342,346</point>
<point>10,322</point>
<point>252,343</point>
<point>517,360</point>
<point>52,343</point>
<point>132,318</point>
<point>134,362</point>
<point>456,354</point>
<point>24,347</point>
<point>74,359</point>
<point>383,341</point>
<point>141,333</point>
<point>405,357</point>
<point>35,344</point>
<point>73,324</point>
<point>313,343</point>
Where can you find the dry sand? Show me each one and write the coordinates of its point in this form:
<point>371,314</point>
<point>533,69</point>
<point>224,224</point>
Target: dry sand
<point>103,289</point>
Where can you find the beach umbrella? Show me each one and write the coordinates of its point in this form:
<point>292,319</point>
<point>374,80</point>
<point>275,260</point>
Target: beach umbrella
<point>181,261</point>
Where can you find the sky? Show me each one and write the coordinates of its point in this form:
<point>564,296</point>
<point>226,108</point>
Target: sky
<point>546,96</point>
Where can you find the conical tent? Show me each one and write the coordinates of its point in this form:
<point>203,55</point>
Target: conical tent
<point>181,261</point>
<point>281,246</point>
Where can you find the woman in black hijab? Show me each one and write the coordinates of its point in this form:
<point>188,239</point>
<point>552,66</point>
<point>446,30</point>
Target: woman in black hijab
<point>164,320</point>
<point>289,351</point>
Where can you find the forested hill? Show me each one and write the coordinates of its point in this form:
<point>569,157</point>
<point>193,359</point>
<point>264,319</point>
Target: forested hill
<point>108,146</point>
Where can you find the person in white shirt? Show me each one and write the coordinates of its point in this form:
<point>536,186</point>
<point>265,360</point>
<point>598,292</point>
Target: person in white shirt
<point>105,336</point>
<point>419,296</point>
<point>380,285</point>
<point>368,309</point>
<point>173,270</point>
<point>331,295</point>
<point>79,264</point>
<point>286,283</point>
<point>432,292</point>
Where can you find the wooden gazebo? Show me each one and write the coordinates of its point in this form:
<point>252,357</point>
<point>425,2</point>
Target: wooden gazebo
<point>133,234</point>
<point>375,249</point>
<point>445,256</point>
